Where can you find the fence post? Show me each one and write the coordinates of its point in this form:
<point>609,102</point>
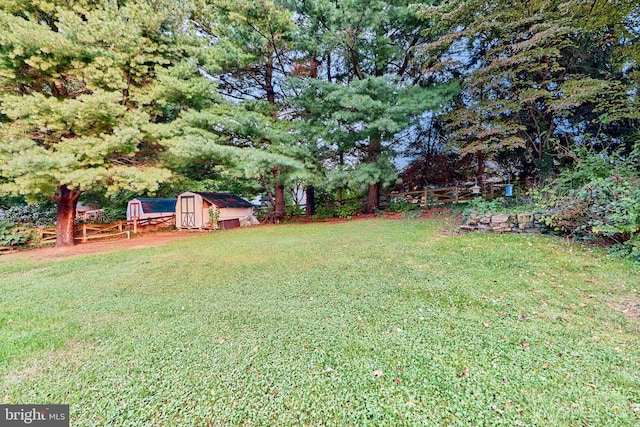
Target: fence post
<point>84,232</point>
<point>457,193</point>
<point>491,191</point>
<point>135,224</point>
<point>120,225</point>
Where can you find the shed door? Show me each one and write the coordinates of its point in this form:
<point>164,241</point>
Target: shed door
<point>135,210</point>
<point>188,211</point>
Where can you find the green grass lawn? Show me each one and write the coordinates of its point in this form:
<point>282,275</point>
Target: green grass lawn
<point>374,322</point>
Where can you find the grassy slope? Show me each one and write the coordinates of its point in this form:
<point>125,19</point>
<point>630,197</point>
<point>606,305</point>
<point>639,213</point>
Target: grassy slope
<point>361,323</point>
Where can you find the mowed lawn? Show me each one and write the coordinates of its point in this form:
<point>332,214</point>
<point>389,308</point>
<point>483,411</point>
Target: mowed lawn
<point>367,322</point>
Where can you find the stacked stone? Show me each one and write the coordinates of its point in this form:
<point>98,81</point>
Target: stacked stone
<point>504,223</point>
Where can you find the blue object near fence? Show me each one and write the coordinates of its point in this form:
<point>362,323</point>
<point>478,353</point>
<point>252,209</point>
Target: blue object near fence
<point>508,190</point>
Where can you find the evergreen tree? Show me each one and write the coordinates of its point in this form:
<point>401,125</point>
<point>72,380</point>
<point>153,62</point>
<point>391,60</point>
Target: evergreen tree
<point>373,86</point>
<point>253,40</point>
<point>82,87</point>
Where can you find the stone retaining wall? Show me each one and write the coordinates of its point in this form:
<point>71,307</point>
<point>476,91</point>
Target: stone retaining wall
<point>504,223</point>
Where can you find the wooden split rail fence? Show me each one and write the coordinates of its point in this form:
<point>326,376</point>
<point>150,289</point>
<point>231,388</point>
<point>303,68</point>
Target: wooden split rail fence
<point>431,196</point>
<point>86,232</point>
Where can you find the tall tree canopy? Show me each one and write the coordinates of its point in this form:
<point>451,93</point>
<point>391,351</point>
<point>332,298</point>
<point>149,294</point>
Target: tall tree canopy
<point>372,87</point>
<point>539,76</point>
<point>252,40</point>
<point>81,87</point>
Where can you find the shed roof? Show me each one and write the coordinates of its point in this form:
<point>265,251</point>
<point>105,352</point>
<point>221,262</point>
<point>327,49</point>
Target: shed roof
<point>225,200</point>
<point>157,205</point>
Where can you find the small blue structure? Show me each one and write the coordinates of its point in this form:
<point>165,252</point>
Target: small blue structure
<point>143,208</point>
<point>508,190</point>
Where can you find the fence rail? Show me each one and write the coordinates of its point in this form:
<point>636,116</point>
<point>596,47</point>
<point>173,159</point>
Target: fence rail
<point>431,196</point>
<point>86,232</point>
<point>161,221</point>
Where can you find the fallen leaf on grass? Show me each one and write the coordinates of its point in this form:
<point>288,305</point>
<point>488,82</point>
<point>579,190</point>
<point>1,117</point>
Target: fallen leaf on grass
<point>377,373</point>
<point>464,373</point>
<point>397,380</point>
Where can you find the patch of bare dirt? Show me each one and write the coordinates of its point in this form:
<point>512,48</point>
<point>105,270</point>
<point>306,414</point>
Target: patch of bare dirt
<point>141,241</point>
<point>630,310</point>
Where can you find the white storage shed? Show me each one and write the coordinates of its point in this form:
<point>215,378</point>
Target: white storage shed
<point>192,209</point>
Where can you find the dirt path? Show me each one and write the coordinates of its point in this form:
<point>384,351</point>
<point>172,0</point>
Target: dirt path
<point>144,241</point>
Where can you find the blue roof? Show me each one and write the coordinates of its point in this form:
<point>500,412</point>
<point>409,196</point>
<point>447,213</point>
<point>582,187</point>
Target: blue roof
<point>158,205</point>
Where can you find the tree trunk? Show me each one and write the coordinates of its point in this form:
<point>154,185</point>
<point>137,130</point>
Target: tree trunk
<point>281,205</point>
<point>480,170</point>
<point>373,198</point>
<point>373,152</point>
<point>268,81</point>
<point>313,67</point>
<point>65,223</point>
<point>280,200</point>
<point>310,207</point>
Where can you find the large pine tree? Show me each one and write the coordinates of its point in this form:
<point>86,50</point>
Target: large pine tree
<point>371,85</point>
<point>82,85</point>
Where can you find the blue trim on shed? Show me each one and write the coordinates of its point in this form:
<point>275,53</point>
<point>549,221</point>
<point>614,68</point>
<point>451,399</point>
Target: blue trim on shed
<point>158,205</point>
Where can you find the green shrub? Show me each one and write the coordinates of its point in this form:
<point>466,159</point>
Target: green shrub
<point>295,211</point>
<point>35,215</point>
<point>260,214</point>
<point>481,207</point>
<point>400,204</point>
<point>113,213</point>
<point>324,211</point>
<point>349,209</point>
<point>599,199</point>
<point>605,207</point>
<point>9,235</point>
<point>412,214</point>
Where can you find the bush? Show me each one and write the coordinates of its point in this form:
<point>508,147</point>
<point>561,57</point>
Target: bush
<point>114,213</point>
<point>324,211</point>
<point>481,207</point>
<point>605,207</point>
<point>349,209</point>
<point>599,200</point>
<point>9,235</point>
<point>35,215</point>
<point>400,204</point>
<point>294,211</point>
